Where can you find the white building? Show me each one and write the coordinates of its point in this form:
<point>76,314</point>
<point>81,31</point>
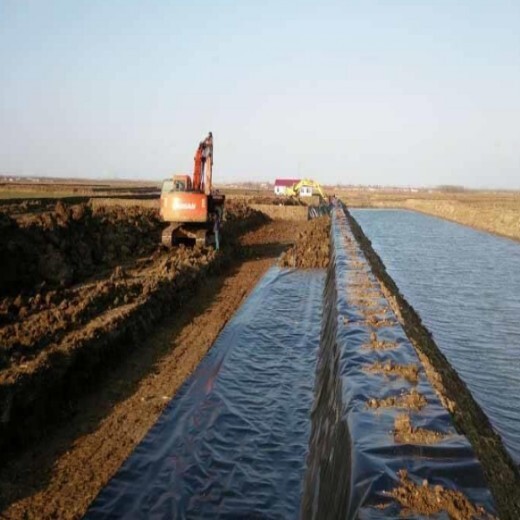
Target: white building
<point>281,185</point>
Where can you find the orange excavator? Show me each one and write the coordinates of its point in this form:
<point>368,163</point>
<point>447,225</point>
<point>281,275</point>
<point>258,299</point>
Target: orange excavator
<point>190,204</point>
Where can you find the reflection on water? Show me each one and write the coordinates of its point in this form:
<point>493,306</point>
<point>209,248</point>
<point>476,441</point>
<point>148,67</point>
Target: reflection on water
<point>465,284</point>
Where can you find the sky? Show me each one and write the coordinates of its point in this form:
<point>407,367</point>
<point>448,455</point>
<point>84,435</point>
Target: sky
<point>402,93</point>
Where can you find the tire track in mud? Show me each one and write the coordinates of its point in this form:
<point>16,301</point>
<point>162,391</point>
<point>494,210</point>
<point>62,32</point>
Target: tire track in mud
<point>59,476</point>
<point>500,472</point>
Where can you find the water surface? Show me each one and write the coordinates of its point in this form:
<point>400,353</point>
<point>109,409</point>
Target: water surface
<point>465,284</point>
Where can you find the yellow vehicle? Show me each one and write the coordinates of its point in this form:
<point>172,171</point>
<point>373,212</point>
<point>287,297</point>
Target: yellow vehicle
<point>305,188</point>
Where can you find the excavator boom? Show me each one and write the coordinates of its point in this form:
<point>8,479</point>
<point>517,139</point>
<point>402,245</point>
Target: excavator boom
<point>295,189</point>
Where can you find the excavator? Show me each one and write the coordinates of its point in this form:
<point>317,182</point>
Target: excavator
<point>189,204</point>
<point>295,189</point>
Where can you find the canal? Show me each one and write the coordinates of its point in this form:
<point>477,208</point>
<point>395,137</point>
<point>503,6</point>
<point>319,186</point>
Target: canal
<point>465,285</point>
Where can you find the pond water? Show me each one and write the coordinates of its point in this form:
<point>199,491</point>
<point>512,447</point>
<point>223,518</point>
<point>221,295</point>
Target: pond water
<point>465,285</point>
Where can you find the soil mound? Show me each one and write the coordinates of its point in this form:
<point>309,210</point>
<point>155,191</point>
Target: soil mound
<point>237,211</point>
<point>405,433</point>
<point>311,250</point>
<point>408,372</point>
<point>412,400</point>
<point>55,333</point>
<point>431,500</point>
<point>277,201</point>
<point>66,245</point>
<point>377,344</point>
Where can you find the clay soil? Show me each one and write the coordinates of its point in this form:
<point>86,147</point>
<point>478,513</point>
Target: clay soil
<point>377,344</point>
<point>58,247</point>
<point>311,251</point>
<point>429,500</point>
<point>389,369</point>
<point>96,357</point>
<point>406,433</point>
<point>412,400</point>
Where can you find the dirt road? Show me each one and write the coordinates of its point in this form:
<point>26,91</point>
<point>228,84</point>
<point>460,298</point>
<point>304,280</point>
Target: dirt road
<point>60,475</point>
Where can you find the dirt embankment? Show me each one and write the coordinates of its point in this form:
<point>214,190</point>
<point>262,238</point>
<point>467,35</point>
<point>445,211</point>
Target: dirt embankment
<point>59,476</point>
<point>65,246</point>
<point>430,500</point>
<point>311,251</point>
<point>496,213</point>
<point>501,473</point>
<point>277,201</point>
<point>75,188</point>
<point>53,334</point>
<point>16,207</point>
<point>500,218</point>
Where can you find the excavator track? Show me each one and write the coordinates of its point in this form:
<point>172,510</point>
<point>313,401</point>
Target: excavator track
<point>167,236</point>
<point>178,233</point>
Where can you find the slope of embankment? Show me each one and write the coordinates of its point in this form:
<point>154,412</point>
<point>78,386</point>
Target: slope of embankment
<point>149,320</point>
<point>382,440</point>
<point>500,471</point>
<point>497,213</point>
<point>382,443</point>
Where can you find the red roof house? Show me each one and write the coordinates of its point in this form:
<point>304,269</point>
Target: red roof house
<point>281,184</point>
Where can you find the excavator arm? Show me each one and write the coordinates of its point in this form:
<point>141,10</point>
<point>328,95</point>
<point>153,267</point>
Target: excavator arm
<point>197,168</point>
<point>203,167</point>
<point>294,190</point>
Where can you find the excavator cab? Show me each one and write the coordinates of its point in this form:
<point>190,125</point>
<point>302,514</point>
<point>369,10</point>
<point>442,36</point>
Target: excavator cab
<point>178,183</point>
<point>182,183</point>
<point>167,186</point>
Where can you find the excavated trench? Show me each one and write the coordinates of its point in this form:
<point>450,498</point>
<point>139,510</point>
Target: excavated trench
<point>465,285</point>
<point>323,397</point>
<point>367,356</point>
<point>501,473</point>
<point>314,403</point>
<point>64,456</point>
<point>90,285</point>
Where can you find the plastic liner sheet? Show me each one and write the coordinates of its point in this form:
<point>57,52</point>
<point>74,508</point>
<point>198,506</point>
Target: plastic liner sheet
<point>234,440</point>
<point>319,211</point>
<point>354,458</point>
<point>471,306</point>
